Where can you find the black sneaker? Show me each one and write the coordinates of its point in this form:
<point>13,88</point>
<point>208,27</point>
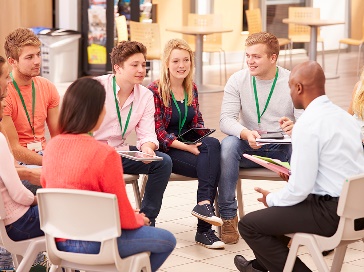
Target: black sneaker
<point>206,213</point>
<point>209,239</point>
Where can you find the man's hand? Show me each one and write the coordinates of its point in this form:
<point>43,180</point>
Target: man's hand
<point>264,193</point>
<point>30,174</point>
<point>148,150</point>
<point>286,125</point>
<point>250,136</point>
<point>284,176</point>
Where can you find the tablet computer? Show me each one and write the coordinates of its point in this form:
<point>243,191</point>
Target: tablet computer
<point>195,135</point>
<point>138,156</point>
<point>270,135</point>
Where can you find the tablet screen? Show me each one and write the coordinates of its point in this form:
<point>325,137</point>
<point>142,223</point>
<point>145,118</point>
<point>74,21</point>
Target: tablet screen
<point>138,156</point>
<point>194,135</point>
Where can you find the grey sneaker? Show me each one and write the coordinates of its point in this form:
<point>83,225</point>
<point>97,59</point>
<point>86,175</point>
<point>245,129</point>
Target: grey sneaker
<point>205,212</point>
<point>209,239</point>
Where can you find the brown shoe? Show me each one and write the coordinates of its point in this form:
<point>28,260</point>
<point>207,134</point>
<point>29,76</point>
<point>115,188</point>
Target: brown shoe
<point>229,231</point>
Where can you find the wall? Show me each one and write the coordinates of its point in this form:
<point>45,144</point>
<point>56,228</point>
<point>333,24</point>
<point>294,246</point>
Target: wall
<point>357,17</point>
<point>171,13</point>
<point>232,17</point>
<point>23,13</point>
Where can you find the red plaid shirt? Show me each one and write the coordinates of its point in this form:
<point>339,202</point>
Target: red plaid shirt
<point>163,116</point>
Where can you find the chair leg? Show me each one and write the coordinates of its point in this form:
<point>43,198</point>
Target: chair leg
<point>323,56</point>
<point>220,66</point>
<point>292,255</point>
<point>144,179</point>
<point>239,195</point>
<point>138,199</point>
<point>290,56</point>
<point>338,260</point>
<point>225,66</point>
<point>151,70</point>
<point>358,70</point>
<point>337,62</point>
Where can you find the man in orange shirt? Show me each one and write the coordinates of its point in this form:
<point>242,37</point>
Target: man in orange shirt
<point>32,100</point>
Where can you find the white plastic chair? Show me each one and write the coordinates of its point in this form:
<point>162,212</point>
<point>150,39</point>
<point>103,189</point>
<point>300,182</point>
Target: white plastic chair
<point>23,252</point>
<point>87,216</point>
<point>350,208</point>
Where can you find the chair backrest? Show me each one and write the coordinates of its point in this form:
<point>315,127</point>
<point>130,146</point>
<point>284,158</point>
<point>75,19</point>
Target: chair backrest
<point>121,28</point>
<point>80,215</point>
<point>149,35</point>
<point>351,208</point>
<point>254,20</point>
<point>301,13</point>
<point>212,42</point>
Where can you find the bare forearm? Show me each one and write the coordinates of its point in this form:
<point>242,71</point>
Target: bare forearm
<point>27,156</point>
<point>29,174</point>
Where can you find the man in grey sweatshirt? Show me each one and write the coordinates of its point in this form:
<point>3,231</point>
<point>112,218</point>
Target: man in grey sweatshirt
<point>256,100</point>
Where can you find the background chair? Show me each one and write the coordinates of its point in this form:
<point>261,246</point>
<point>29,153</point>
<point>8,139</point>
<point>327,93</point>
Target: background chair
<point>211,43</point>
<point>149,35</point>
<point>23,252</point>
<point>351,228</point>
<point>121,28</point>
<point>254,20</point>
<point>300,33</point>
<point>355,42</point>
<point>87,216</point>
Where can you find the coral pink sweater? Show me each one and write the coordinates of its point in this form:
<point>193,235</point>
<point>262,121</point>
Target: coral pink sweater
<point>81,162</point>
<point>17,199</point>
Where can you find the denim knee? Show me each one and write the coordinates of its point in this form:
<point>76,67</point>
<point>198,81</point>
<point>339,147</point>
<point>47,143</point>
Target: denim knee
<point>230,148</point>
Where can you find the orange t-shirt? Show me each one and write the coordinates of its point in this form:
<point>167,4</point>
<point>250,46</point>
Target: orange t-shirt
<point>46,97</point>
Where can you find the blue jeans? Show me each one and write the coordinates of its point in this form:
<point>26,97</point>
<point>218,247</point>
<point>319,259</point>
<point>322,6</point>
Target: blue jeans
<point>158,176</point>
<point>25,227</point>
<point>205,167</point>
<point>232,150</point>
<point>159,242</point>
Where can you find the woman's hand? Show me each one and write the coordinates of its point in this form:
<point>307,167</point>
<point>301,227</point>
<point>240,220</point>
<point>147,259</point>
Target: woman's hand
<point>193,148</point>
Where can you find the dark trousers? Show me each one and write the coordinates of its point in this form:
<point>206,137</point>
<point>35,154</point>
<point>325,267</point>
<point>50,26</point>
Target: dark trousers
<point>205,167</point>
<point>158,176</point>
<point>263,229</point>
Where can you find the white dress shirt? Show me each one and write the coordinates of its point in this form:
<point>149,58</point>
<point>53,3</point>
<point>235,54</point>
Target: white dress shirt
<point>326,150</point>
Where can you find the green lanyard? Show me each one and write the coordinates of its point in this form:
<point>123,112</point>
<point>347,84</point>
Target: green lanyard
<point>269,96</point>
<point>23,102</point>
<point>181,123</point>
<point>118,111</point>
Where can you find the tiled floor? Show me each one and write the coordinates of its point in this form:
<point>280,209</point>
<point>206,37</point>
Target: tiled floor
<point>180,197</point>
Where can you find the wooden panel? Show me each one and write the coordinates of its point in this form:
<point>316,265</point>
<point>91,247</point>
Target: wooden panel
<point>36,13</point>
<point>23,13</point>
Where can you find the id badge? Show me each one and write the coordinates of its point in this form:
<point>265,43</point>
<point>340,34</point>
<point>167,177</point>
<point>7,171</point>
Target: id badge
<point>35,146</point>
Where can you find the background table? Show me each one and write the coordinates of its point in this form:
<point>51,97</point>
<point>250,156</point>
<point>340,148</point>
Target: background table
<point>199,32</point>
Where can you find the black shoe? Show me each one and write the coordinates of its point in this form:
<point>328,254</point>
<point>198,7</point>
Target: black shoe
<point>243,265</point>
<point>209,239</point>
<point>327,252</point>
<point>206,213</point>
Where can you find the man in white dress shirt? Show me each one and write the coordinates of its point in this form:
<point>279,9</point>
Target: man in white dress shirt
<point>326,143</point>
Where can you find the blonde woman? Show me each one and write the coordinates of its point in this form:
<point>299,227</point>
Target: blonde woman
<point>176,111</point>
<point>356,107</point>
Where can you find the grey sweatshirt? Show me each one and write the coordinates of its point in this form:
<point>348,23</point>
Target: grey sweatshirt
<point>238,109</point>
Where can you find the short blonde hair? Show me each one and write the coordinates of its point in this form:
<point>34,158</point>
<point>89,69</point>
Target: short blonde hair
<point>266,38</point>
<point>165,82</point>
<point>18,39</point>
